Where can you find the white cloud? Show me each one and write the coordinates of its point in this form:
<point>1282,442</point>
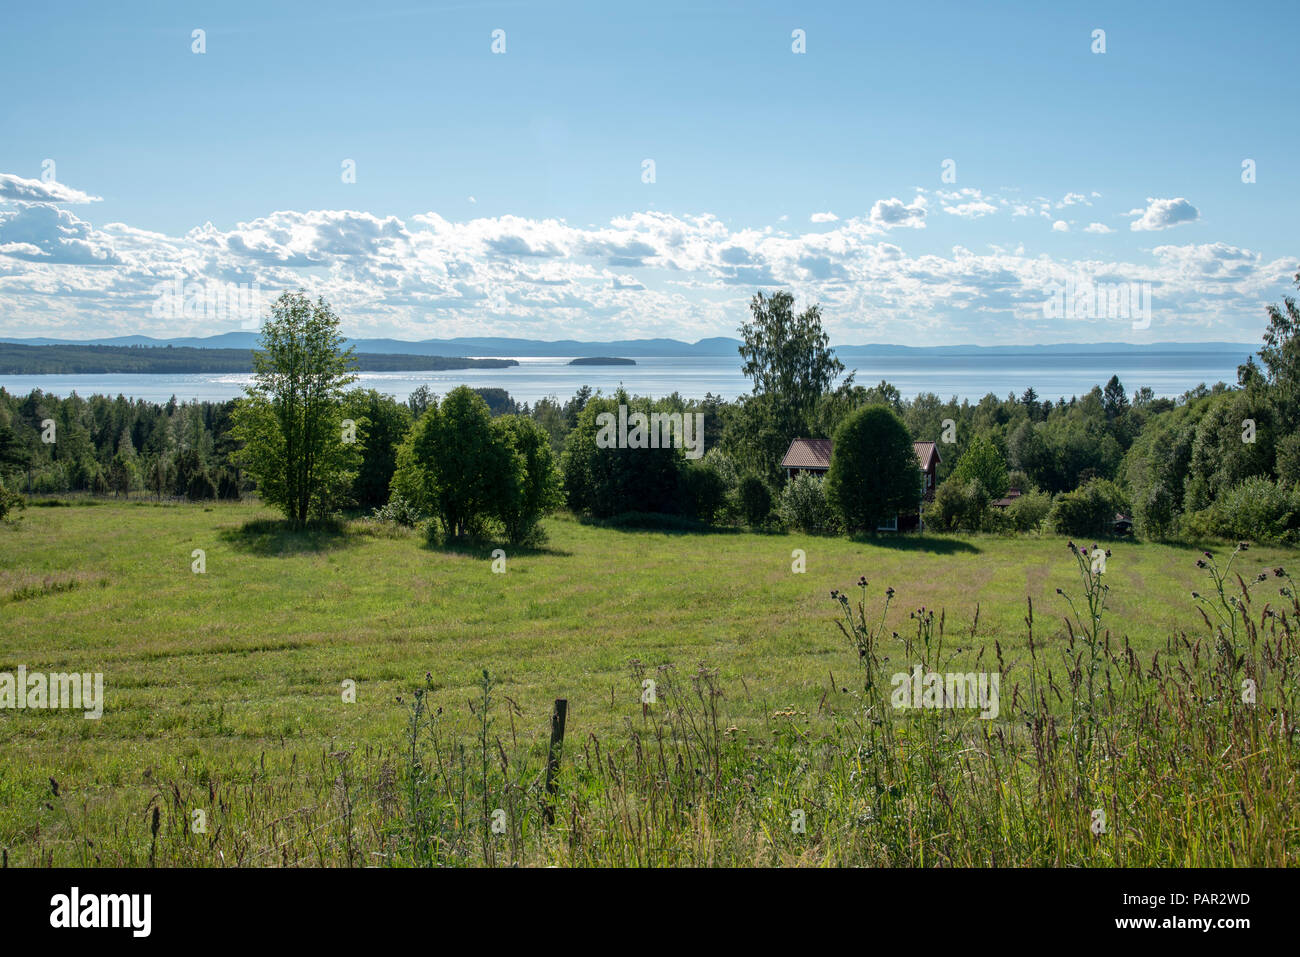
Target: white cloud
<point>824,218</point>
<point>894,213</point>
<point>965,203</point>
<point>1060,226</point>
<point>1163,213</point>
<point>1101,228</point>
<point>646,273</point>
<point>36,191</point>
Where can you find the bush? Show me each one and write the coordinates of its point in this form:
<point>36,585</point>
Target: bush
<point>9,501</point>
<point>958,505</point>
<point>704,491</point>
<point>1256,509</point>
<point>754,499</point>
<point>1028,512</point>
<point>1088,510</point>
<point>874,474</point>
<point>804,506</point>
<point>398,511</point>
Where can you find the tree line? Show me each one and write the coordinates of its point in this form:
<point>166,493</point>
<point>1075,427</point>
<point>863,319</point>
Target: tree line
<point>1218,461</point>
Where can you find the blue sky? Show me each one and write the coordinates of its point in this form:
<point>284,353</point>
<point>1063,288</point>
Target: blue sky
<point>505,193</point>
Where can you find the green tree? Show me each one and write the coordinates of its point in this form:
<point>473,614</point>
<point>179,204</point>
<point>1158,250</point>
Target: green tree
<point>290,420</point>
<point>455,465</point>
<point>383,423</point>
<point>1280,353</point>
<point>982,462</point>
<point>532,486</point>
<point>611,481</point>
<point>789,359</point>
<point>874,474</point>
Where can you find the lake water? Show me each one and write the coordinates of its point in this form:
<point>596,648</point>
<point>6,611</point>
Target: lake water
<point>968,377</point>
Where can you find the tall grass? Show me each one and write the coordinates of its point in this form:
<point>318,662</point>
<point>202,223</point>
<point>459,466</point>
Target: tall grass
<point>1099,757</point>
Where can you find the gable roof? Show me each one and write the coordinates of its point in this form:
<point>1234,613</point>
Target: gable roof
<point>816,454</point>
<point>808,454</point>
<point>925,451</point>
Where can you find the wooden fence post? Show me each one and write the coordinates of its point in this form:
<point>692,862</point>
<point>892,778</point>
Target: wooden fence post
<point>553,756</point>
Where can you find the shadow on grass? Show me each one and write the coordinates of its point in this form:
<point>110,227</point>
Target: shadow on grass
<point>480,547</point>
<point>930,544</point>
<point>658,522</point>
<point>265,536</point>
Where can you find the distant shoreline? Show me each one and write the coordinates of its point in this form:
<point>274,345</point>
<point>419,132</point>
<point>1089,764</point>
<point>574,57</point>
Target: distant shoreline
<point>165,360</point>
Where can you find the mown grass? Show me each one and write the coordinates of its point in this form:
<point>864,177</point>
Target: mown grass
<point>224,694</point>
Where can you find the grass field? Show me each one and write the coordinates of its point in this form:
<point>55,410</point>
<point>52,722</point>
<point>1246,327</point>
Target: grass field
<point>234,677</point>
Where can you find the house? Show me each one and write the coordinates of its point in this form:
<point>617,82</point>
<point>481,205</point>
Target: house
<point>814,456</point>
<point>1123,525</point>
<point>1011,496</point>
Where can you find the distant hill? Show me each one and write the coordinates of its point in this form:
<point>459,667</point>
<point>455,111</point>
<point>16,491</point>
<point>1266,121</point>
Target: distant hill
<point>489,346</point>
<point>110,360</point>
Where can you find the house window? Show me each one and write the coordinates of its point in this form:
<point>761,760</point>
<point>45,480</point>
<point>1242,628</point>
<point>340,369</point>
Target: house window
<point>889,526</point>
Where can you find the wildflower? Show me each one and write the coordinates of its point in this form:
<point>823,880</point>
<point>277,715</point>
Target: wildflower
<point>1279,572</point>
<point>1200,563</point>
<point>889,593</point>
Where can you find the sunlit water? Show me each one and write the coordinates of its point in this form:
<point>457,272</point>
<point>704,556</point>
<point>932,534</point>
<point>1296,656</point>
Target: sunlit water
<point>967,377</point>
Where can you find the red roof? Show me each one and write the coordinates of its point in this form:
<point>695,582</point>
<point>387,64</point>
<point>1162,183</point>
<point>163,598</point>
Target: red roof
<point>816,454</point>
<point>925,451</point>
<point>808,454</point>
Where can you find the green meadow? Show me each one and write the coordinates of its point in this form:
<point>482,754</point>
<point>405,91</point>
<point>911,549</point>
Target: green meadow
<point>234,677</point>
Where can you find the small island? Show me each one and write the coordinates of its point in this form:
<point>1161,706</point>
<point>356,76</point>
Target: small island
<point>601,361</point>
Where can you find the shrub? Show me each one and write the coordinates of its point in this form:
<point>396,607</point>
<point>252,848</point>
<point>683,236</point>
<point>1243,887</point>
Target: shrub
<point>1088,510</point>
<point>874,474</point>
<point>398,511</point>
<point>704,491</point>
<point>803,504</point>
<point>9,501</point>
<point>1028,512</point>
<point>958,505</point>
<point>1256,509</point>
<point>754,499</point>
